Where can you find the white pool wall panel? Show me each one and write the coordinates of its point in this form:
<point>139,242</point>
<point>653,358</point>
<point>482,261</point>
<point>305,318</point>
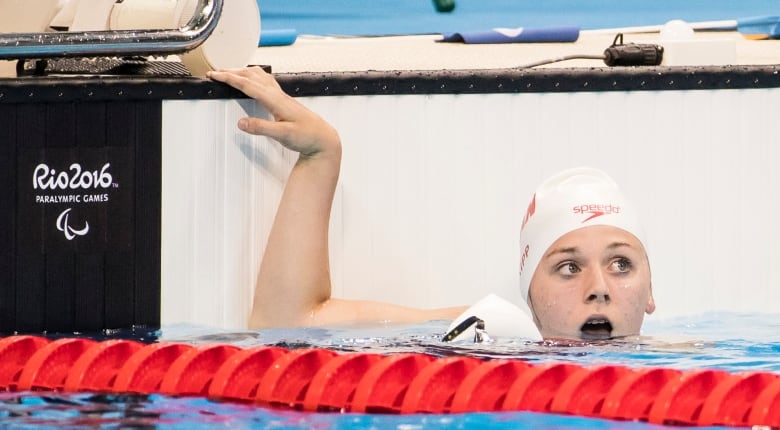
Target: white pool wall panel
<point>433,189</point>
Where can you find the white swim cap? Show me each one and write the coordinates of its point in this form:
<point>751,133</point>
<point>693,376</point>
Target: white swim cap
<point>570,200</point>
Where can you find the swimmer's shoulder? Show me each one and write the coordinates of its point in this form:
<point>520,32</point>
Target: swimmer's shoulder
<point>670,343</point>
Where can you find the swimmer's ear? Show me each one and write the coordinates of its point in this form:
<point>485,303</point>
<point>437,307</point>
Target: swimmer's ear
<point>650,303</point>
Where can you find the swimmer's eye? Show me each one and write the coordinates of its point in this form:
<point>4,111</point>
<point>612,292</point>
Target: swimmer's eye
<point>621,265</point>
<point>568,268</point>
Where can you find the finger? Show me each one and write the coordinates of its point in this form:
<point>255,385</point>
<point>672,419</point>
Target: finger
<point>263,127</point>
<point>253,125</point>
<point>254,83</point>
<point>235,79</point>
<point>242,78</point>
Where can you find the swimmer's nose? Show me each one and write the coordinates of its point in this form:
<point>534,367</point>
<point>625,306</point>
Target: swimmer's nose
<point>597,290</point>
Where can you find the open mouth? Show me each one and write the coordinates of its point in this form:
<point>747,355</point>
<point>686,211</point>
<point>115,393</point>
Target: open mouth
<point>597,328</point>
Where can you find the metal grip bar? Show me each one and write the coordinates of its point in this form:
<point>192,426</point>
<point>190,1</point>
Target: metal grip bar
<point>122,43</point>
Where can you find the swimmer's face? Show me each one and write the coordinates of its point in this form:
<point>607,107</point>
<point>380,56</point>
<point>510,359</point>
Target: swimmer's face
<point>592,283</point>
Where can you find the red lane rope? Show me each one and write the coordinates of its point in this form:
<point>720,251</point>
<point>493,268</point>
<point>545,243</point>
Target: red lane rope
<point>323,380</point>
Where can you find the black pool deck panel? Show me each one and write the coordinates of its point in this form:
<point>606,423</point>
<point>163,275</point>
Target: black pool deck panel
<point>82,217</point>
<point>80,214</point>
<point>81,168</point>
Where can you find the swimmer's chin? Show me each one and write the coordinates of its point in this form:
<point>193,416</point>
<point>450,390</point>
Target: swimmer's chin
<point>569,341</point>
<point>579,338</point>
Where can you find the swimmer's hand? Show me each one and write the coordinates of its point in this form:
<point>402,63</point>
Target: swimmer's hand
<point>294,126</point>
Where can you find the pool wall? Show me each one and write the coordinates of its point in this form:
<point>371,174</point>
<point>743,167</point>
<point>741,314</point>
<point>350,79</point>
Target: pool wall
<point>438,169</point>
<point>435,182</point>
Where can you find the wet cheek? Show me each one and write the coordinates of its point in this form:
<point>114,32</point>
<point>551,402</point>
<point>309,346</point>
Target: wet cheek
<point>632,308</point>
<point>631,323</point>
<point>546,303</point>
<point>556,315</point>
<point>543,309</point>
<point>631,293</point>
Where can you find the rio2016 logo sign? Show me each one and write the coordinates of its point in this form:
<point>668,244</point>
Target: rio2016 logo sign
<point>75,178</point>
<point>76,185</point>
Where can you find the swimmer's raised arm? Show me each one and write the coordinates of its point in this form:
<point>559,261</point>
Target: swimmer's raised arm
<point>293,286</point>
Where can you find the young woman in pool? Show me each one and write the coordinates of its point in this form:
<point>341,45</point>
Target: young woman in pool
<point>584,270</point>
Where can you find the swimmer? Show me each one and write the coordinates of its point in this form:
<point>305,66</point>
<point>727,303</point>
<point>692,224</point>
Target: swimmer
<point>584,270</point>
<point>584,273</point>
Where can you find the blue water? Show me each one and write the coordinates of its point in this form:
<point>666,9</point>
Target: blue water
<point>91,411</point>
<point>729,341</point>
<point>392,17</point>
<point>32,410</point>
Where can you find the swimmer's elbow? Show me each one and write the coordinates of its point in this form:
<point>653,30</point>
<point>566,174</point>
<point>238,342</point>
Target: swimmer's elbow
<point>257,323</point>
<point>264,319</point>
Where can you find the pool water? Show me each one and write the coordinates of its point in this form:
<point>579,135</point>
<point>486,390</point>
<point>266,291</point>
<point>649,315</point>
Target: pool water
<point>394,17</point>
<point>727,341</point>
<point>33,410</point>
